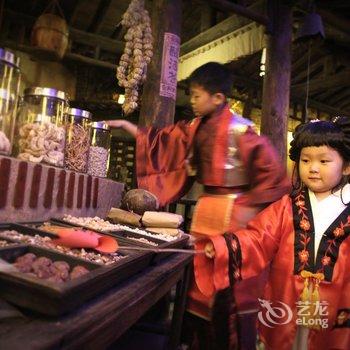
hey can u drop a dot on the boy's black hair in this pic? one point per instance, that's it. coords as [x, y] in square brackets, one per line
[213, 77]
[334, 134]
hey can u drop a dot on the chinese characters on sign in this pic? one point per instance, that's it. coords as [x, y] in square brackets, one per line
[171, 50]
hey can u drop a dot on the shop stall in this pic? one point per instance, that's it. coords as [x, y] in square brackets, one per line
[68, 275]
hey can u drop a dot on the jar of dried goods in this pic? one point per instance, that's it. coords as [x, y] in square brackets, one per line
[99, 149]
[42, 126]
[78, 139]
[10, 76]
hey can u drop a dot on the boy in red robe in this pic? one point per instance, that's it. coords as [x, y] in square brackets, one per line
[239, 169]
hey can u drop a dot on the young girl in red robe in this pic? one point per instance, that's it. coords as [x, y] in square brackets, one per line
[305, 238]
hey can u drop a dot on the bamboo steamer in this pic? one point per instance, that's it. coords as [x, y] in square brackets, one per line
[50, 32]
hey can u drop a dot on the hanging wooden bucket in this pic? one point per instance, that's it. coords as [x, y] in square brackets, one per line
[50, 32]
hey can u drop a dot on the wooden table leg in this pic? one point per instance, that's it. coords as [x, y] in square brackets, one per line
[179, 309]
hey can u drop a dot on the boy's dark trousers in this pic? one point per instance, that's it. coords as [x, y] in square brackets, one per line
[197, 332]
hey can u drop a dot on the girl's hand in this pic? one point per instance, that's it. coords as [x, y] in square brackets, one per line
[209, 250]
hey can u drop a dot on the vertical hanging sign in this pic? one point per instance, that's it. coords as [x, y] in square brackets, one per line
[171, 50]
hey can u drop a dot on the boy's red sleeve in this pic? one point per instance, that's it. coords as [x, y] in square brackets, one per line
[267, 174]
[161, 155]
[258, 244]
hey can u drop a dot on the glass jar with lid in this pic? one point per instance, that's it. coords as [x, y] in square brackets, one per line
[42, 126]
[77, 139]
[9, 85]
[99, 149]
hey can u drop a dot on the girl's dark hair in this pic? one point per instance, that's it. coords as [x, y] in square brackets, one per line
[213, 77]
[335, 134]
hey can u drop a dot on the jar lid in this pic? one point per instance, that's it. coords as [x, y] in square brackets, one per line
[41, 118]
[9, 57]
[44, 91]
[100, 125]
[76, 112]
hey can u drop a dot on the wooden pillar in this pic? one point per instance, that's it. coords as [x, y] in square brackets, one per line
[248, 105]
[159, 90]
[276, 89]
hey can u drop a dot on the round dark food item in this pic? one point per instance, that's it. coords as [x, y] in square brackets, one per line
[60, 269]
[78, 271]
[41, 267]
[139, 201]
[24, 262]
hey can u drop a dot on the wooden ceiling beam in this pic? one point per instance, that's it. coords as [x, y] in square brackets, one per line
[207, 16]
[303, 74]
[76, 35]
[320, 84]
[69, 56]
[296, 96]
[226, 6]
[324, 96]
[344, 104]
[338, 22]
[340, 96]
[72, 16]
[99, 16]
[226, 26]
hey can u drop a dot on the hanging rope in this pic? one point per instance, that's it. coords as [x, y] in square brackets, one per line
[53, 6]
[307, 80]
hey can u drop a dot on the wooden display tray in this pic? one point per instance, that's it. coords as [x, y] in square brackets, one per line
[122, 235]
[55, 300]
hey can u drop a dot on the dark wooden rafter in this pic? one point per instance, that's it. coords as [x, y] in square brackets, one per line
[297, 97]
[100, 13]
[336, 21]
[69, 56]
[207, 17]
[329, 65]
[2, 3]
[313, 68]
[299, 65]
[340, 96]
[227, 26]
[72, 16]
[76, 35]
[224, 5]
[117, 32]
[320, 84]
[344, 104]
[339, 4]
[325, 95]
